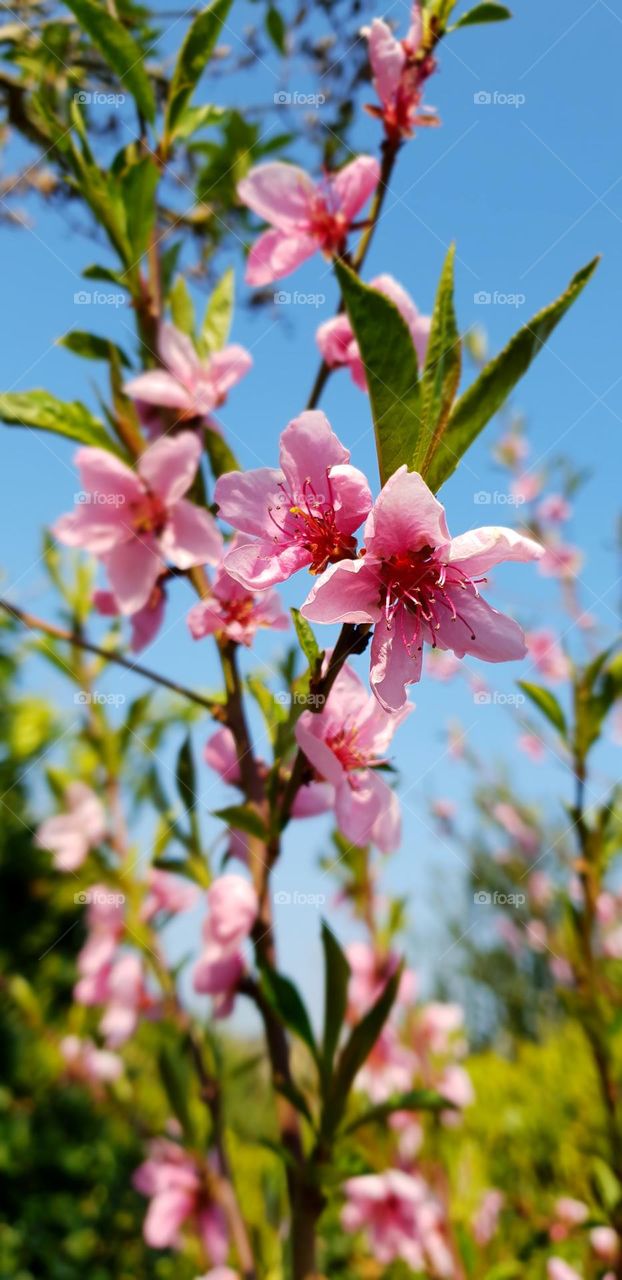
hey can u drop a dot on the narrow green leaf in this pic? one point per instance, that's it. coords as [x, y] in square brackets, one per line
[276, 28]
[138, 189]
[182, 306]
[275, 713]
[441, 374]
[241, 817]
[286, 1001]
[482, 13]
[356, 1051]
[221, 457]
[175, 1079]
[42, 410]
[391, 369]
[194, 55]
[185, 776]
[307, 640]
[91, 347]
[336, 976]
[219, 314]
[119, 49]
[296, 1097]
[547, 703]
[496, 382]
[414, 1100]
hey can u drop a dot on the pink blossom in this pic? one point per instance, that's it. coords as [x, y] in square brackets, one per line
[486, 1219]
[72, 834]
[167, 893]
[125, 997]
[442, 664]
[512, 448]
[220, 1273]
[606, 1243]
[541, 889]
[345, 743]
[561, 560]
[172, 1181]
[136, 521]
[188, 384]
[400, 69]
[532, 746]
[547, 655]
[555, 508]
[88, 1063]
[527, 486]
[233, 907]
[388, 1068]
[510, 819]
[557, 1269]
[147, 620]
[304, 217]
[455, 1085]
[233, 610]
[370, 973]
[401, 1219]
[417, 584]
[221, 755]
[105, 922]
[338, 345]
[302, 515]
[537, 936]
[567, 1213]
[438, 1023]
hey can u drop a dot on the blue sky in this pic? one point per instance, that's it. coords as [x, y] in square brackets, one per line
[530, 191]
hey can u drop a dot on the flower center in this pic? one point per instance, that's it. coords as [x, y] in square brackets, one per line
[343, 745]
[421, 583]
[148, 514]
[240, 611]
[329, 225]
[309, 518]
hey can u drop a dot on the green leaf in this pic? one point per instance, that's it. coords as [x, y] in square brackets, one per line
[391, 369]
[336, 976]
[356, 1051]
[276, 28]
[496, 382]
[482, 13]
[307, 640]
[175, 1079]
[221, 457]
[242, 817]
[441, 374]
[295, 1096]
[284, 998]
[219, 314]
[91, 347]
[185, 776]
[138, 189]
[414, 1100]
[182, 306]
[119, 49]
[547, 703]
[275, 713]
[41, 410]
[191, 119]
[194, 55]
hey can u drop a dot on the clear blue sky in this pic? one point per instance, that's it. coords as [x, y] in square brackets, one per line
[530, 192]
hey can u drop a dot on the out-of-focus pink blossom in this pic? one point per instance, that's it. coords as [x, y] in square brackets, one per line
[541, 889]
[532, 746]
[105, 922]
[304, 217]
[547, 655]
[344, 743]
[561, 560]
[167, 893]
[526, 487]
[555, 508]
[304, 515]
[512, 448]
[70, 835]
[442, 664]
[568, 1213]
[401, 1219]
[510, 819]
[126, 998]
[137, 521]
[147, 620]
[606, 1243]
[438, 1023]
[370, 973]
[400, 69]
[456, 1086]
[537, 936]
[557, 1269]
[339, 347]
[193, 387]
[232, 910]
[419, 585]
[233, 610]
[172, 1181]
[486, 1220]
[88, 1063]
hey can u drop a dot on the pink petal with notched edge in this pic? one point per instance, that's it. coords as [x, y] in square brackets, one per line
[307, 449]
[133, 570]
[387, 58]
[406, 515]
[191, 536]
[355, 183]
[262, 564]
[497, 637]
[481, 549]
[276, 254]
[278, 192]
[392, 667]
[178, 353]
[309, 731]
[169, 466]
[351, 496]
[346, 592]
[245, 498]
[159, 388]
[336, 341]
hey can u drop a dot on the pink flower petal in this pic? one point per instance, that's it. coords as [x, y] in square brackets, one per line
[103, 474]
[191, 536]
[387, 58]
[169, 466]
[497, 637]
[166, 1214]
[159, 388]
[392, 666]
[245, 499]
[346, 592]
[276, 254]
[262, 564]
[351, 495]
[133, 570]
[220, 754]
[279, 193]
[355, 183]
[308, 736]
[178, 353]
[228, 366]
[480, 549]
[406, 515]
